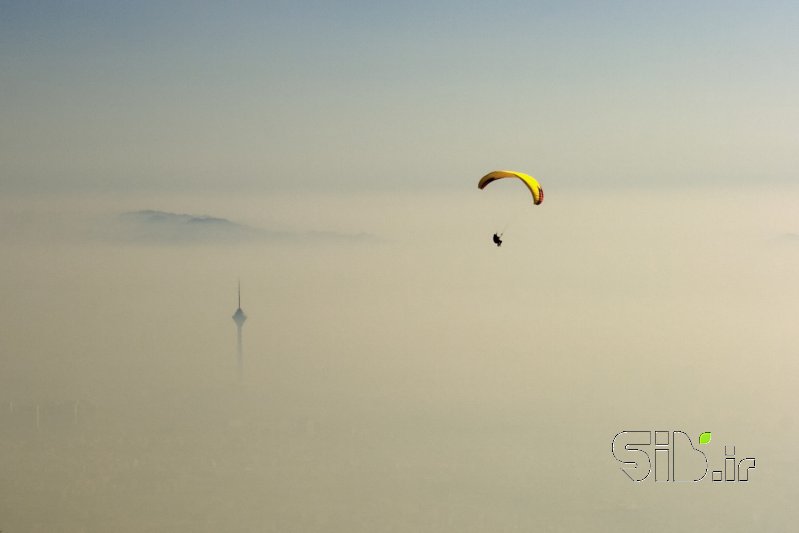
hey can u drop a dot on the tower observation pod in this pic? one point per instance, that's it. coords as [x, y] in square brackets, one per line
[239, 318]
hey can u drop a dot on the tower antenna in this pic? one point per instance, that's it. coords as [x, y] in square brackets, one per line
[239, 318]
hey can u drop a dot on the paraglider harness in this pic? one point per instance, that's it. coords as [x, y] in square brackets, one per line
[497, 239]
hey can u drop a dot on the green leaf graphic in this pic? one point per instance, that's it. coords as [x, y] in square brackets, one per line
[704, 438]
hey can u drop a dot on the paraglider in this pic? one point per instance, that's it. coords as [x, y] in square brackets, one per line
[530, 182]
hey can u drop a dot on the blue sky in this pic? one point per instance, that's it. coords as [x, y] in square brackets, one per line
[424, 380]
[353, 95]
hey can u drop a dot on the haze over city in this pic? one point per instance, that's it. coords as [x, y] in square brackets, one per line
[399, 372]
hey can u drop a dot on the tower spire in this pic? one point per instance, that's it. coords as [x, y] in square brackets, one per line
[239, 317]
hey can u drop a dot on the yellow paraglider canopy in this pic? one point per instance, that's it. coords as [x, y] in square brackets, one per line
[529, 181]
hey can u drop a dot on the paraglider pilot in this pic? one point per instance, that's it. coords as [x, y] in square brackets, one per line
[497, 239]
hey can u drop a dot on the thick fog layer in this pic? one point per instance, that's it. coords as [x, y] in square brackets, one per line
[401, 373]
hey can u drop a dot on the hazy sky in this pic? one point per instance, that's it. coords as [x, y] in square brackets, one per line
[417, 379]
[265, 95]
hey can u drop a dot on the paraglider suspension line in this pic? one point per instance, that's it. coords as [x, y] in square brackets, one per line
[509, 222]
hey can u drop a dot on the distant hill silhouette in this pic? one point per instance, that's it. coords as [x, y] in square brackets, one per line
[180, 228]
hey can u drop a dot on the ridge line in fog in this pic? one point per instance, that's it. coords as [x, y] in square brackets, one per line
[155, 226]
